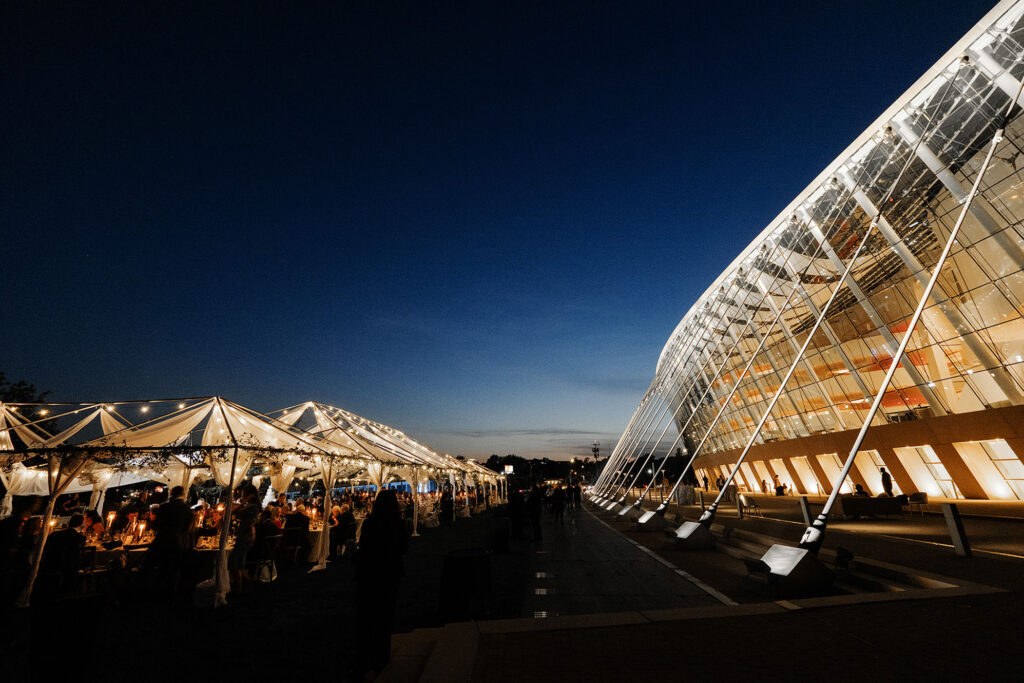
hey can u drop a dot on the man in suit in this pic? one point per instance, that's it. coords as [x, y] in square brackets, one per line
[886, 482]
[171, 525]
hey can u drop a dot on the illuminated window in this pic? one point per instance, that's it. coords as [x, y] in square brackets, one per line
[803, 470]
[1008, 464]
[927, 471]
[833, 467]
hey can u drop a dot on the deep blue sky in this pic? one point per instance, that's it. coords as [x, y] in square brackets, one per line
[477, 221]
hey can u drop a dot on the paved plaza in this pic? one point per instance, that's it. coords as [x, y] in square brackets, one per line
[709, 624]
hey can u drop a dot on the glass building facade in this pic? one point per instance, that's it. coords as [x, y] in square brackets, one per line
[898, 189]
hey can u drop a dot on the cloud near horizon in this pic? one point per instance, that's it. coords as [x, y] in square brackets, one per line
[549, 442]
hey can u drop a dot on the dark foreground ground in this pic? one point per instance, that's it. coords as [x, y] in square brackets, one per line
[595, 600]
[298, 627]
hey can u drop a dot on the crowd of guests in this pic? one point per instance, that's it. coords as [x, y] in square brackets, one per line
[174, 529]
[555, 499]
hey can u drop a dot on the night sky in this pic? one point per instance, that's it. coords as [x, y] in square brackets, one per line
[478, 222]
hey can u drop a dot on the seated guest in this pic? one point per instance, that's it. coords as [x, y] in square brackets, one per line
[277, 516]
[265, 529]
[297, 519]
[281, 502]
[296, 531]
[347, 524]
[63, 552]
[334, 522]
[141, 506]
[94, 527]
[859, 491]
[16, 540]
[123, 518]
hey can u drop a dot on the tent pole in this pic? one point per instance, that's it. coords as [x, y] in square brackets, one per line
[222, 551]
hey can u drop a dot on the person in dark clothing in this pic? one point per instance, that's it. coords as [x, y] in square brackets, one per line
[141, 506]
[886, 482]
[577, 496]
[534, 505]
[296, 532]
[447, 508]
[558, 504]
[16, 541]
[344, 534]
[246, 516]
[171, 526]
[265, 543]
[706, 483]
[378, 569]
[71, 504]
[516, 512]
[63, 552]
[172, 520]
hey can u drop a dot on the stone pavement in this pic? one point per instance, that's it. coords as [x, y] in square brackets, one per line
[969, 628]
[581, 567]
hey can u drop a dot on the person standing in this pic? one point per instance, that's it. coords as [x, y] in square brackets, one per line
[63, 554]
[534, 505]
[171, 526]
[447, 507]
[245, 534]
[378, 570]
[886, 482]
[706, 482]
[558, 504]
[516, 512]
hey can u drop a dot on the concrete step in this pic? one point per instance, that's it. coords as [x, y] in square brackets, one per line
[410, 653]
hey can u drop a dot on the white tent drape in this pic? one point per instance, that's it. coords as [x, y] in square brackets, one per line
[110, 423]
[161, 432]
[378, 474]
[28, 434]
[415, 476]
[328, 469]
[72, 430]
[21, 481]
[5, 436]
[100, 478]
[281, 476]
[221, 468]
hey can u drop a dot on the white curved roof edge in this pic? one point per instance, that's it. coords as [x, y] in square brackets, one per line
[1006, 9]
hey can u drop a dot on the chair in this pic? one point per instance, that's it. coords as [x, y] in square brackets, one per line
[917, 501]
[88, 570]
[265, 559]
[294, 545]
[749, 506]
